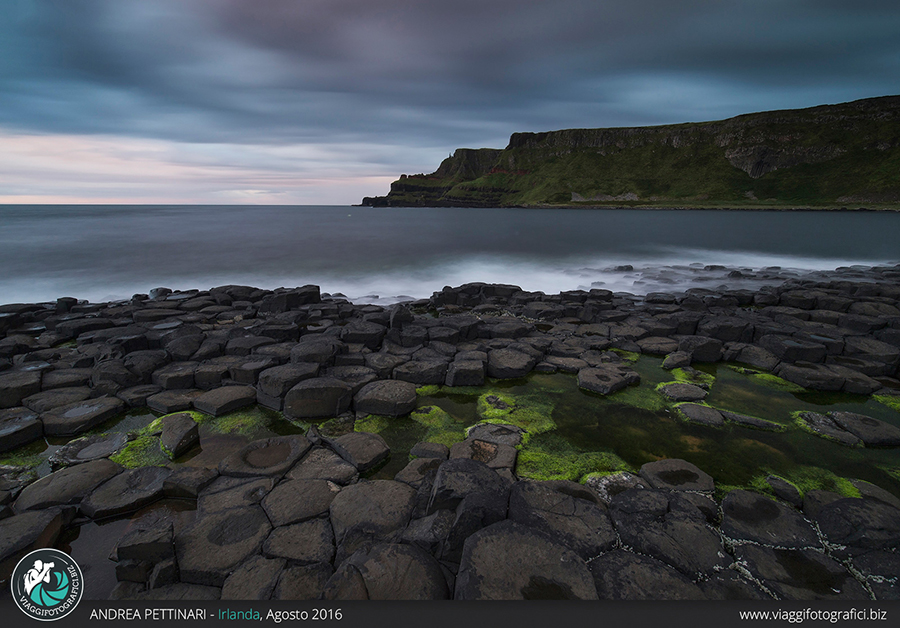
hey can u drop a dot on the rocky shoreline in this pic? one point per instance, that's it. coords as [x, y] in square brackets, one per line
[299, 517]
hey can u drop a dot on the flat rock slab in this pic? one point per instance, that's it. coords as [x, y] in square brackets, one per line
[860, 525]
[677, 475]
[323, 464]
[180, 433]
[148, 539]
[88, 448]
[497, 433]
[386, 397]
[218, 543]
[303, 582]
[703, 415]
[269, 456]
[126, 492]
[307, 542]
[390, 571]
[31, 530]
[570, 513]
[751, 421]
[255, 579]
[49, 399]
[225, 399]
[603, 380]
[187, 482]
[622, 575]
[278, 380]
[320, 397]
[509, 364]
[67, 486]
[169, 401]
[361, 449]
[755, 518]
[509, 561]
[430, 450]
[19, 426]
[377, 508]
[14, 387]
[872, 432]
[800, 574]
[226, 492]
[683, 392]
[496, 456]
[136, 396]
[80, 416]
[294, 501]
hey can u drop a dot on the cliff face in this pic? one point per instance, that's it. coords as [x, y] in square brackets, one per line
[827, 155]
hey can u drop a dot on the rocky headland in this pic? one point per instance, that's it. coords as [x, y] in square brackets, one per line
[305, 515]
[831, 156]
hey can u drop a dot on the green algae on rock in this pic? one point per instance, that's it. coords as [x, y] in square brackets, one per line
[807, 478]
[552, 457]
[533, 413]
[891, 401]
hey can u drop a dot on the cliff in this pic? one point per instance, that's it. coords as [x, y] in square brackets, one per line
[831, 155]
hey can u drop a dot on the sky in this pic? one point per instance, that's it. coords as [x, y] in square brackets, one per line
[327, 101]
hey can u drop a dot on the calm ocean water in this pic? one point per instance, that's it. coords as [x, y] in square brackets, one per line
[377, 255]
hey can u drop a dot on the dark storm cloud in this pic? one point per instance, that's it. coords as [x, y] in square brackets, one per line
[427, 73]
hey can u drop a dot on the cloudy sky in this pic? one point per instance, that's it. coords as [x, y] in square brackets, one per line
[326, 101]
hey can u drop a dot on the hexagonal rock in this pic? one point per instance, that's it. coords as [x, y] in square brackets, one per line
[255, 579]
[389, 571]
[683, 392]
[125, 492]
[509, 364]
[302, 582]
[496, 433]
[88, 448]
[67, 486]
[14, 387]
[701, 348]
[872, 432]
[19, 426]
[753, 517]
[180, 433]
[268, 456]
[655, 345]
[386, 397]
[177, 375]
[509, 561]
[49, 399]
[800, 574]
[378, 508]
[216, 544]
[465, 373]
[80, 416]
[225, 399]
[704, 415]
[149, 538]
[676, 475]
[307, 542]
[422, 372]
[361, 449]
[496, 456]
[809, 375]
[567, 511]
[169, 401]
[28, 531]
[188, 481]
[318, 398]
[298, 500]
[622, 575]
[827, 428]
[323, 464]
[861, 525]
[278, 380]
[603, 380]
[226, 492]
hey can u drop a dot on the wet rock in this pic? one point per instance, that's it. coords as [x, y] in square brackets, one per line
[268, 456]
[677, 475]
[294, 501]
[509, 561]
[809, 375]
[494, 455]
[225, 399]
[363, 450]
[317, 398]
[608, 486]
[303, 582]
[703, 415]
[881, 571]
[177, 375]
[728, 585]
[389, 571]
[227, 492]
[509, 364]
[676, 360]
[422, 372]
[179, 434]
[307, 542]
[785, 490]
[756, 518]
[66, 378]
[88, 448]
[255, 579]
[800, 574]
[496, 433]
[323, 464]
[386, 398]
[317, 350]
[683, 392]
[622, 575]
[416, 472]
[66, 487]
[179, 591]
[169, 401]
[80, 416]
[383, 363]
[125, 492]
[827, 428]
[20, 534]
[210, 550]
[49, 399]
[792, 349]
[278, 380]
[603, 380]
[136, 396]
[568, 512]
[430, 450]
[378, 509]
[860, 524]
[148, 539]
[815, 500]
[751, 421]
[460, 478]
[870, 491]
[187, 482]
[872, 432]
[465, 373]
[19, 426]
[701, 348]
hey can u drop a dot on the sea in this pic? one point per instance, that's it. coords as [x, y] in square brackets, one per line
[383, 255]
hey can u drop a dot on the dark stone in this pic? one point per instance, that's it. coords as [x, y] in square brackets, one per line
[860, 524]
[317, 398]
[384, 363]
[756, 518]
[125, 492]
[307, 542]
[386, 398]
[49, 399]
[255, 579]
[497, 433]
[269, 456]
[169, 401]
[800, 574]
[785, 490]
[496, 456]
[180, 591]
[509, 364]
[465, 373]
[19, 426]
[88, 448]
[66, 378]
[303, 582]
[147, 539]
[622, 575]
[677, 475]
[317, 350]
[227, 492]
[179, 434]
[416, 472]
[827, 428]
[294, 501]
[133, 571]
[509, 561]
[363, 450]
[67, 486]
[225, 399]
[809, 375]
[728, 585]
[246, 344]
[430, 450]
[378, 509]
[701, 348]
[608, 486]
[390, 571]
[248, 372]
[815, 500]
[323, 464]
[80, 416]
[704, 415]
[422, 372]
[210, 550]
[603, 380]
[278, 380]
[751, 421]
[872, 432]
[459, 478]
[683, 392]
[20, 534]
[136, 396]
[177, 375]
[792, 349]
[187, 482]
